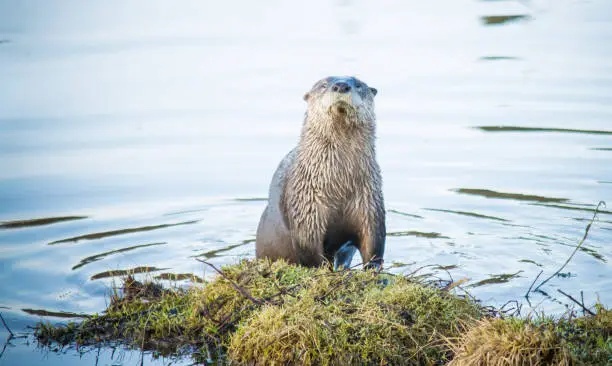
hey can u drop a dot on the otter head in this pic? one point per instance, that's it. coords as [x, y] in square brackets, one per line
[344, 99]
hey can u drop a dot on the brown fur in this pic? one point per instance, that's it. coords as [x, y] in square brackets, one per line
[328, 190]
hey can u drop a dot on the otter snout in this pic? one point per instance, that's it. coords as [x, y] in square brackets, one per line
[343, 98]
[341, 87]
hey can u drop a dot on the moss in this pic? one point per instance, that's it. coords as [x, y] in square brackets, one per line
[220, 301]
[263, 312]
[589, 338]
[374, 319]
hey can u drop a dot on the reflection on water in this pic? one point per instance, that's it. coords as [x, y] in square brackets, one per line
[255, 199]
[405, 214]
[580, 219]
[574, 208]
[502, 19]
[148, 136]
[218, 252]
[126, 272]
[55, 314]
[471, 214]
[498, 58]
[15, 224]
[530, 261]
[97, 257]
[510, 196]
[17, 349]
[540, 129]
[496, 279]
[179, 277]
[119, 232]
[547, 241]
[419, 234]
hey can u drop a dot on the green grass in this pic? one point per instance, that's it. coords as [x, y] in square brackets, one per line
[354, 317]
[263, 312]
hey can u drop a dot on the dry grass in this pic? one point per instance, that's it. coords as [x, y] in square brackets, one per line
[509, 342]
[585, 340]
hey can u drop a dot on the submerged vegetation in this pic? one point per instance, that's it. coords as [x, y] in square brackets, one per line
[263, 312]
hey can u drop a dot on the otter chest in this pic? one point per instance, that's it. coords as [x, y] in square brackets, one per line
[335, 172]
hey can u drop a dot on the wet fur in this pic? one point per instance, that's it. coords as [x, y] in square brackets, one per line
[328, 190]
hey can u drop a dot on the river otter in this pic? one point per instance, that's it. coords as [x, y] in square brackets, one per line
[325, 199]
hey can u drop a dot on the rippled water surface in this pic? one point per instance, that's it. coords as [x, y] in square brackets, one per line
[138, 136]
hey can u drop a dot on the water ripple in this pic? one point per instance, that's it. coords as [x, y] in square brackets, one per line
[126, 272]
[503, 19]
[17, 224]
[466, 213]
[97, 257]
[420, 234]
[540, 129]
[105, 234]
[511, 196]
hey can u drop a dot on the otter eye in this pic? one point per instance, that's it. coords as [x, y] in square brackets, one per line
[358, 86]
[323, 86]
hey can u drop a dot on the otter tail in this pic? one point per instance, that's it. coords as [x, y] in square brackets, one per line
[344, 256]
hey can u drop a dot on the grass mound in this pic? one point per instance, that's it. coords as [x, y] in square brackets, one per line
[169, 321]
[263, 312]
[354, 317]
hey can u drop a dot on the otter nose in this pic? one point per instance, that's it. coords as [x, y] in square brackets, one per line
[341, 87]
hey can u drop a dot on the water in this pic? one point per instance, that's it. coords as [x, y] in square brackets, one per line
[140, 135]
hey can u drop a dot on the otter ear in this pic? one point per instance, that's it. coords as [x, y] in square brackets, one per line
[373, 91]
[306, 96]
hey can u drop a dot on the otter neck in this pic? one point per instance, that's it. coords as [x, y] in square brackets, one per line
[328, 138]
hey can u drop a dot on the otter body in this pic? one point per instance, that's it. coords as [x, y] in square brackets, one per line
[325, 199]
